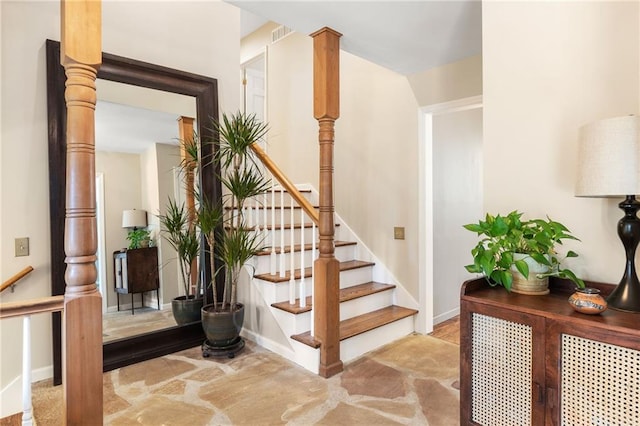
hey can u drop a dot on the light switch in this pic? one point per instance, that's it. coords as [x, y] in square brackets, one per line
[22, 246]
[398, 232]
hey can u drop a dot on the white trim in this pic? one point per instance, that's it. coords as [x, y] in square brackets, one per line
[446, 315]
[464, 104]
[425, 320]
[102, 248]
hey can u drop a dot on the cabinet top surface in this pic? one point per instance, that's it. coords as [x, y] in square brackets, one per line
[554, 305]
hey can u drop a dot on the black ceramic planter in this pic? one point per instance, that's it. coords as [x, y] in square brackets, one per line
[186, 309]
[222, 328]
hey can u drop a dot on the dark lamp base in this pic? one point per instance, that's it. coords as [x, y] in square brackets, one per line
[626, 296]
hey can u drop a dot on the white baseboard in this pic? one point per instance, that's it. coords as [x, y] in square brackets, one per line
[11, 394]
[446, 315]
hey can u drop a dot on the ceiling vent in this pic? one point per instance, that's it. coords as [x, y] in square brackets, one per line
[280, 33]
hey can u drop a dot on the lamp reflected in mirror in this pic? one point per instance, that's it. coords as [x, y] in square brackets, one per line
[609, 166]
[134, 219]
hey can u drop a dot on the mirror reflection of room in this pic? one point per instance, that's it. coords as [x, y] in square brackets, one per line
[137, 158]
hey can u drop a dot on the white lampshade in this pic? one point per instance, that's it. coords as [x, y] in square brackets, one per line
[609, 158]
[134, 218]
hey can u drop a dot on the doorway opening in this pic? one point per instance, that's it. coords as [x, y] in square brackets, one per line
[450, 195]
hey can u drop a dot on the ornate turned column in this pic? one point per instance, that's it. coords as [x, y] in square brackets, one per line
[185, 132]
[81, 55]
[326, 109]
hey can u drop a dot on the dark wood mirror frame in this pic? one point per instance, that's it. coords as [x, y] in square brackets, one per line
[129, 71]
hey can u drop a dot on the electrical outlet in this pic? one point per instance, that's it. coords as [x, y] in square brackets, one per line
[398, 232]
[22, 246]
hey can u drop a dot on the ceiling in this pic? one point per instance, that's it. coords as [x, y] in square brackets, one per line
[124, 128]
[404, 36]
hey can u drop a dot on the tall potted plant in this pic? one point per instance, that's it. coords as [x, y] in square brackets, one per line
[179, 229]
[520, 255]
[235, 243]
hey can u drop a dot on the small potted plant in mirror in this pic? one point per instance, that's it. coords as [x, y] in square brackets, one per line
[179, 229]
[235, 243]
[184, 239]
[139, 238]
[520, 255]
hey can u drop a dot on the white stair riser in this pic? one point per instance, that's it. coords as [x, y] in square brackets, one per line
[270, 199]
[257, 216]
[359, 345]
[365, 304]
[292, 324]
[263, 263]
[280, 291]
[275, 236]
[299, 323]
[356, 276]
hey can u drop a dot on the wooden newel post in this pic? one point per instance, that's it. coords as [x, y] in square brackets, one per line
[326, 109]
[185, 132]
[81, 55]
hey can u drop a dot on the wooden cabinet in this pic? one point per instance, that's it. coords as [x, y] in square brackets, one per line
[532, 360]
[136, 271]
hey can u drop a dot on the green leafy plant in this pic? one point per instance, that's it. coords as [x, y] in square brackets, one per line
[504, 236]
[138, 238]
[185, 241]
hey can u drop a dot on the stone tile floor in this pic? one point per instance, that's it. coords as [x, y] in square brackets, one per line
[413, 381]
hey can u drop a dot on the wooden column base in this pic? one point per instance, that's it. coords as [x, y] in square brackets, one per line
[327, 314]
[82, 366]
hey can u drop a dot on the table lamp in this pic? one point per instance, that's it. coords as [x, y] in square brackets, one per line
[134, 219]
[609, 166]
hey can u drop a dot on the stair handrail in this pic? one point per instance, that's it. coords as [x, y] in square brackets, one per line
[286, 183]
[25, 309]
[31, 306]
[14, 279]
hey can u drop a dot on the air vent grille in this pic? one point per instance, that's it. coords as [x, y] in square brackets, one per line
[280, 33]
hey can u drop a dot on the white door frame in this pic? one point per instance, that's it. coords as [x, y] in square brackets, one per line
[262, 54]
[424, 321]
[102, 248]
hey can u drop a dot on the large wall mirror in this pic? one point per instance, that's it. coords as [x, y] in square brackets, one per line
[134, 98]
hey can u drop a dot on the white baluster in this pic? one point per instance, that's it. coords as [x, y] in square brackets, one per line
[273, 229]
[249, 207]
[282, 267]
[292, 259]
[27, 409]
[313, 271]
[303, 293]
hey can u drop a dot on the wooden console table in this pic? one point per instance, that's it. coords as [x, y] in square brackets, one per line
[136, 271]
[532, 360]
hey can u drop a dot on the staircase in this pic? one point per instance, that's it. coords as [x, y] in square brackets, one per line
[369, 313]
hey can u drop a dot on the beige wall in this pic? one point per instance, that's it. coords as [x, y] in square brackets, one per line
[449, 82]
[200, 37]
[376, 149]
[549, 68]
[122, 191]
[376, 138]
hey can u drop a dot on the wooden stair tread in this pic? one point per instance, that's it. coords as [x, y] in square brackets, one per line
[346, 294]
[361, 324]
[279, 226]
[344, 266]
[269, 207]
[278, 190]
[287, 249]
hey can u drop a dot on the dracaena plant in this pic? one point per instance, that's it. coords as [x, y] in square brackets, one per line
[243, 179]
[185, 241]
[503, 236]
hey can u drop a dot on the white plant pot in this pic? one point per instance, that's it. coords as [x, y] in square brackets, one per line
[533, 285]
